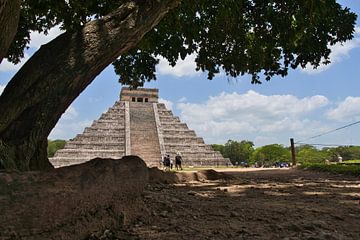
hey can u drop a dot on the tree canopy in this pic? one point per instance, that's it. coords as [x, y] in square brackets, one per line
[256, 37]
[235, 36]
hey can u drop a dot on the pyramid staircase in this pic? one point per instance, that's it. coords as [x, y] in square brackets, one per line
[138, 127]
[144, 135]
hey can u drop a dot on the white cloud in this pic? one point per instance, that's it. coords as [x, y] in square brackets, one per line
[168, 104]
[339, 52]
[233, 115]
[38, 39]
[1, 89]
[183, 68]
[183, 99]
[66, 130]
[69, 125]
[70, 113]
[7, 66]
[347, 110]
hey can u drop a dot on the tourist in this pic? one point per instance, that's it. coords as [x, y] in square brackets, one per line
[171, 164]
[178, 160]
[166, 162]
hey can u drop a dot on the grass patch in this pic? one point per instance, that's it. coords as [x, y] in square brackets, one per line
[356, 161]
[199, 168]
[351, 169]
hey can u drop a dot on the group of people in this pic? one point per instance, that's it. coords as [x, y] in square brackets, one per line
[168, 163]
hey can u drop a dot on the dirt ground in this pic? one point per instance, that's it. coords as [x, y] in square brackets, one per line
[266, 204]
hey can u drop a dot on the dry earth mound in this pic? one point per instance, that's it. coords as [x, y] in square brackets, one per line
[158, 176]
[72, 202]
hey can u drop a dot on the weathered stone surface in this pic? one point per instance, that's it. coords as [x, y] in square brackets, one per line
[139, 125]
[72, 202]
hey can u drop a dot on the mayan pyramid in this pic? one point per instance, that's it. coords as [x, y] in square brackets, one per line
[138, 125]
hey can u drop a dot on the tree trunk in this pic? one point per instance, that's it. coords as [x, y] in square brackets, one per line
[9, 19]
[58, 72]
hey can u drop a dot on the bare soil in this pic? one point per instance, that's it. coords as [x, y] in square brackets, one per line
[249, 204]
[110, 199]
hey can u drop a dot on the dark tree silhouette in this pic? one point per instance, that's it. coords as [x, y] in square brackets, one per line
[238, 36]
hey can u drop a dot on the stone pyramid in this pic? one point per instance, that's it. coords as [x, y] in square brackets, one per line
[138, 125]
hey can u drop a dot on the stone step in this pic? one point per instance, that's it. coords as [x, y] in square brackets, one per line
[180, 137]
[169, 119]
[110, 121]
[103, 134]
[114, 117]
[144, 136]
[195, 154]
[143, 132]
[166, 113]
[89, 130]
[98, 139]
[170, 126]
[88, 153]
[107, 125]
[161, 107]
[175, 132]
[183, 139]
[195, 148]
[184, 145]
[96, 146]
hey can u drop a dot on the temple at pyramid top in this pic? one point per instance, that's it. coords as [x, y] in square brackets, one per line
[139, 95]
[138, 124]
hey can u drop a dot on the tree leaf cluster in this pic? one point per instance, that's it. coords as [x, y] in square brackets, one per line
[237, 37]
[268, 155]
[237, 152]
[42, 15]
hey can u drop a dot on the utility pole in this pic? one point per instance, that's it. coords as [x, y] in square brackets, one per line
[293, 156]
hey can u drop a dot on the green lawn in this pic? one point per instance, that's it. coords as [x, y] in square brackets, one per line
[356, 161]
[198, 168]
[344, 168]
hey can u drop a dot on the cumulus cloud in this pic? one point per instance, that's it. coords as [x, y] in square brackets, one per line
[68, 129]
[69, 125]
[183, 99]
[339, 52]
[347, 110]
[70, 113]
[38, 39]
[168, 104]
[183, 68]
[231, 114]
[7, 66]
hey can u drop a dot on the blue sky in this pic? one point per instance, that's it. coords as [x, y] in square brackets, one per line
[303, 104]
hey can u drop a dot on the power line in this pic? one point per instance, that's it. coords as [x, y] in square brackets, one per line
[325, 145]
[331, 131]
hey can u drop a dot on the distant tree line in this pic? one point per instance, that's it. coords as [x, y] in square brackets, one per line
[244, 152]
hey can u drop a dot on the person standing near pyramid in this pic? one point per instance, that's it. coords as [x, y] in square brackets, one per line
[167, 163]
[178, 160]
